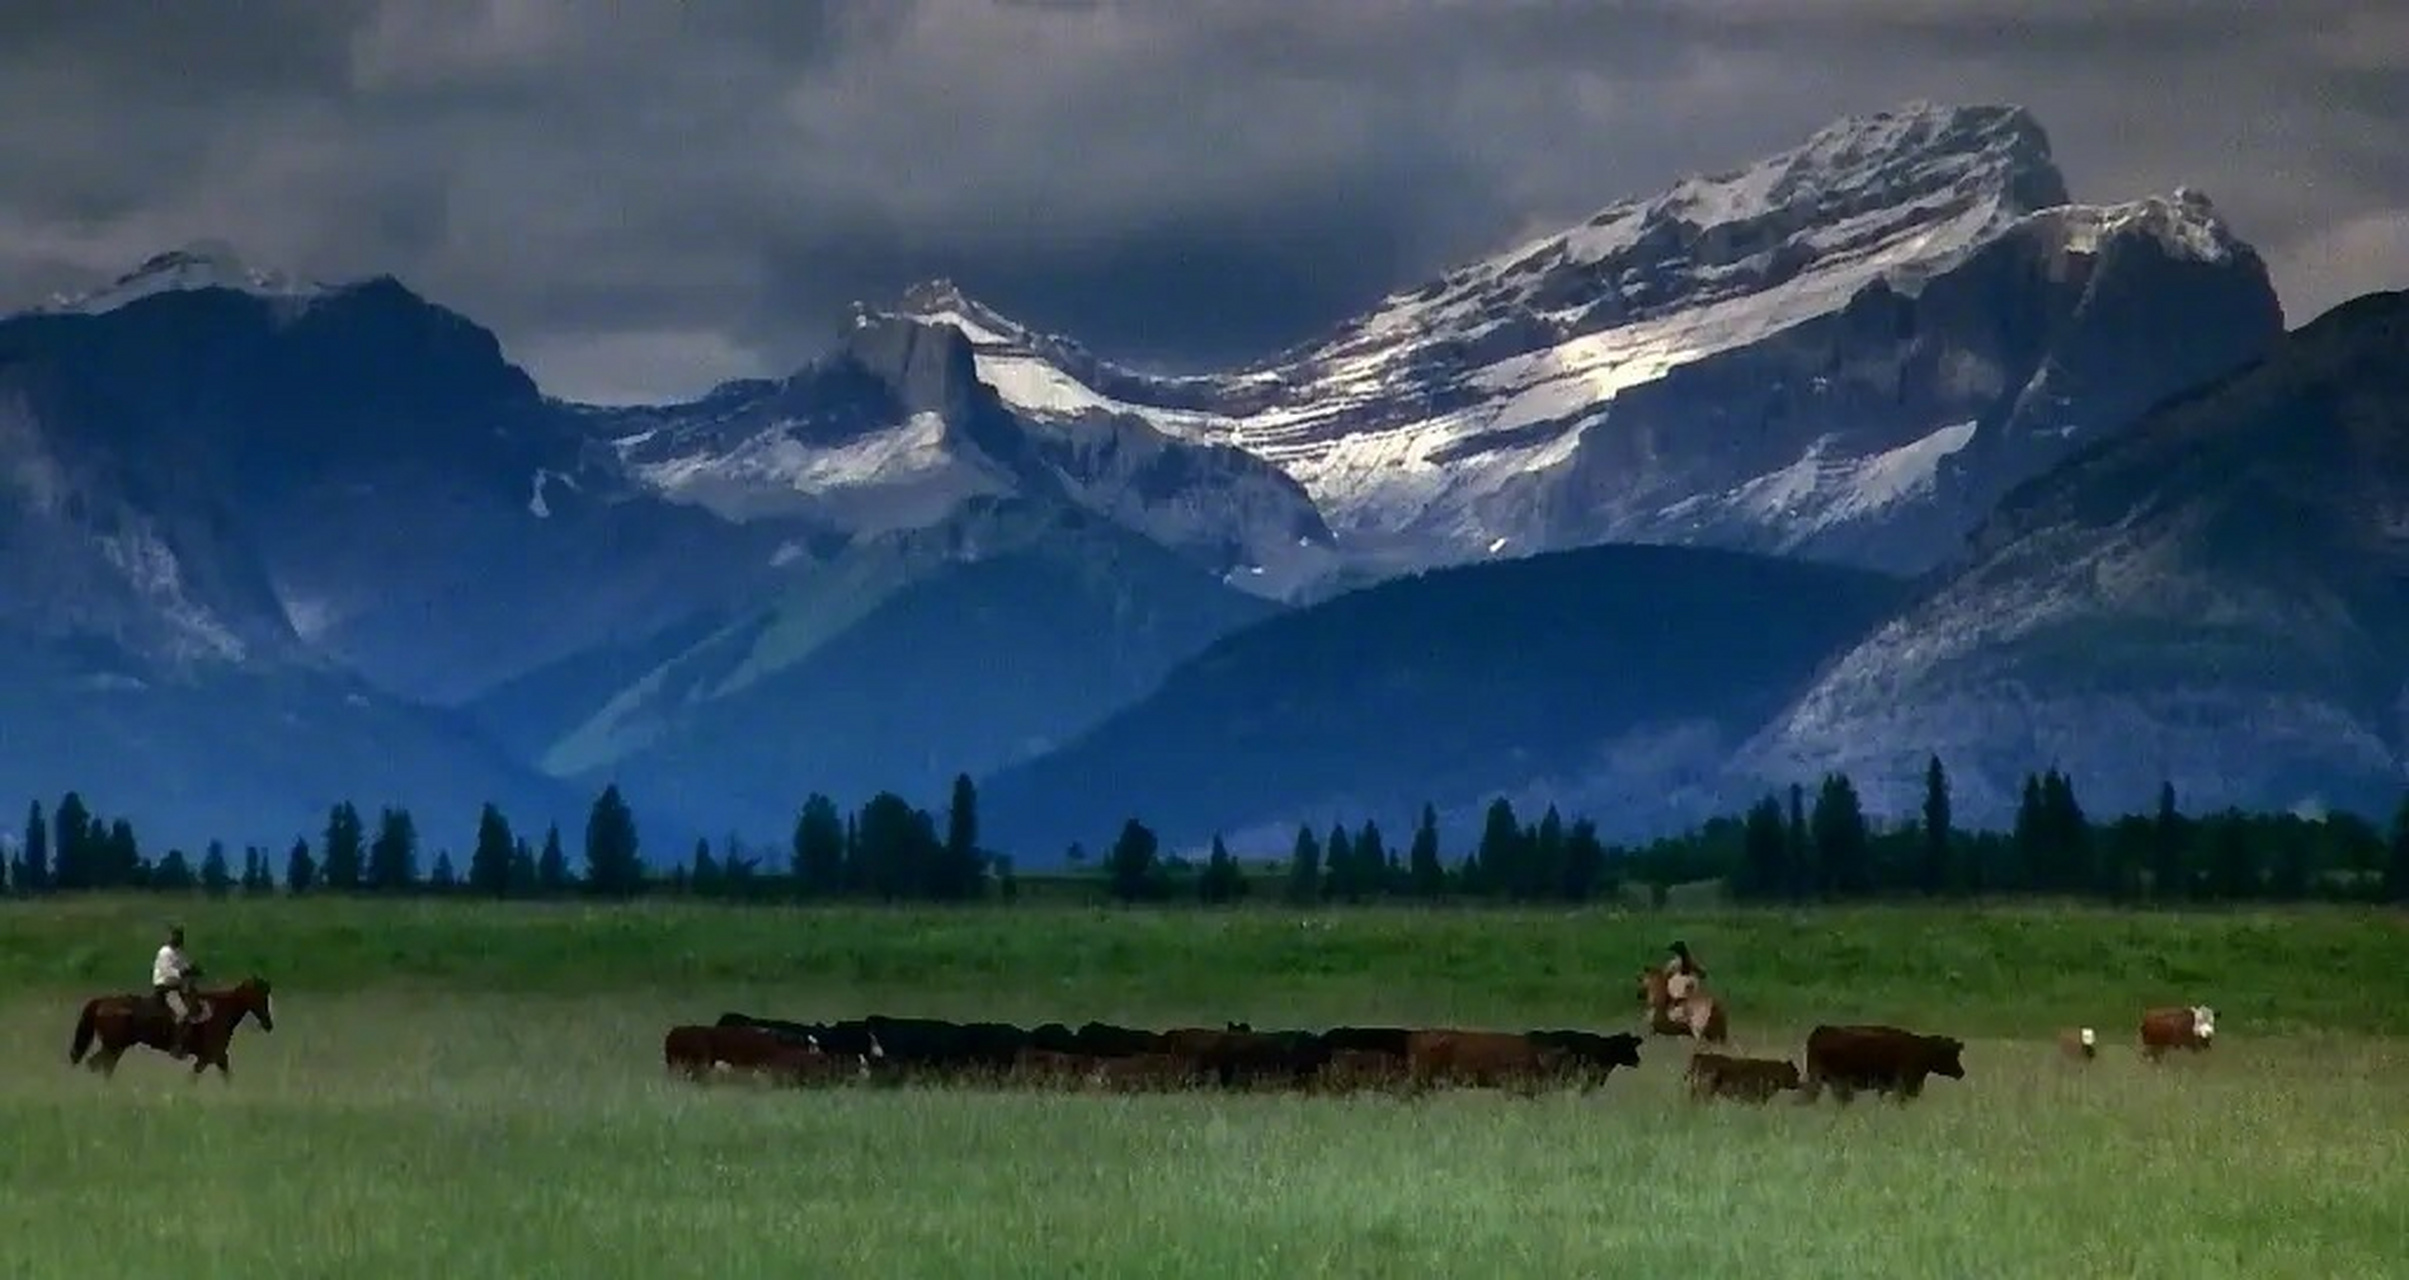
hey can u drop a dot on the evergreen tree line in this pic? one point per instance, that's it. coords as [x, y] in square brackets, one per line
[1788, 847]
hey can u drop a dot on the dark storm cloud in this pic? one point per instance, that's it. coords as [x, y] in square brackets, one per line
[644, 198]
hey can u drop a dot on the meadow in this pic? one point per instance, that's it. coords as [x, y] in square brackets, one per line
[476, 1090]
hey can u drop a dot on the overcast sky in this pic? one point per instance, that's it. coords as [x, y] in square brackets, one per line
[646, 198]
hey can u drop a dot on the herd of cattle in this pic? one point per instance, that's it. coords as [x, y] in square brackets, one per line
[1844, 1060]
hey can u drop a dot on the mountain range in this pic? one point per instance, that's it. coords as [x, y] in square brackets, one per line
[1932, 459]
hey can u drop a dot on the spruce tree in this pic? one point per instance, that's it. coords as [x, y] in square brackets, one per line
[1843, 843]
[2396, 856]
[1764, 854]
[393, 854]
[340, 866]
[1798, 849]
[443, 877]
[552, 865]
[1585, 869]
[1370, 864]
[1425, 871]
[174, 874]
[1305, 869]
[1132, 866]
[300, 869]
[123, 857]
[964, 867]
[72, 845]
[819, 861]
[1547, 855]
[1502, 864]
[35, 857]
[489, 859]
[1932, 867]
[1338, 863]
[217, 879]
[614, 866]
[524, 880]
[1221, 881]
[702, 876]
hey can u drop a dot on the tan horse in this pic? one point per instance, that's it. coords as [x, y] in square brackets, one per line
[1702, 1018]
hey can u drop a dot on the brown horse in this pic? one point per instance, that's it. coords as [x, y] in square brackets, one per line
[1704, 1019]
[121, 1022]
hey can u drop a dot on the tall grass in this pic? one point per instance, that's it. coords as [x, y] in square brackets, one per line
[2005, 971]
[414, 1134]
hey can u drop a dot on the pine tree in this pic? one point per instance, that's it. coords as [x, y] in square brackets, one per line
[122, 856]
[340, 864]
[1305, 869]
[552, 865]
[702, 876]
[300, 869]
[72, 844]
[1932, 868]
[1585, 865]
[1370, 863]
[1547, 855]
[1842, 840]
[174, 874]
[525, 881]
[35, 857]
[1798, 849]
[1764, 853]
[1425, 871]
[1221, 881]
[393, 855]
[1338, 863]
[443, 878]
[2170, 874]
[1502, 863]
[489, 860]
[2396, 860]
[819, 861]
[217, 879]
[1132, 865]
[614, 866]
[964, 865]
[2031, 839]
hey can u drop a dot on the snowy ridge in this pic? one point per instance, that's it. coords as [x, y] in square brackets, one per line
[201, 265]
[1485, 412]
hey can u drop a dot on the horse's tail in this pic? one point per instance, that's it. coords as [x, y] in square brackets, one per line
[84, 1027]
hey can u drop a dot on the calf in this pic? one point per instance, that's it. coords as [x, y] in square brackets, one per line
[695, 1052]
[2079, 1043]
[1878, 1059]
[2193, 1028]
[1720, 1075]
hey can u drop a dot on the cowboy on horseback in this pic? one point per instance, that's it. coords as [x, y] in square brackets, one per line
[171, 983]
[1682, 976]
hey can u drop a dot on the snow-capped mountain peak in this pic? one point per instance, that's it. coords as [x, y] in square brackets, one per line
[205, 264]
[1823, 316]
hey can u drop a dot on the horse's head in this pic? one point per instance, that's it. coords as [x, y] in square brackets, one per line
[251, 996]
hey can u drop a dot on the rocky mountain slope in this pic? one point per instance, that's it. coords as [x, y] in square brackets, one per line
[895, 431]
[1616, 679]
[2218, 598]
[893, 666]
[1846, 351]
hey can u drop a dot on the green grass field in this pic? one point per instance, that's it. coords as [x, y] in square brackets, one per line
[460, 1090]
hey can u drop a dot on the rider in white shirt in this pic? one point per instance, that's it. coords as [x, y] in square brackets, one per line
[171, 982]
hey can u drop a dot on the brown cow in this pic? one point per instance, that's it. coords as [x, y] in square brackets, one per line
[1877, 1058]
[1362, 1069]
[2193, 1028]
[697, 1051]
[2079, 1043]
[1492, 1059]
[1720, 1075]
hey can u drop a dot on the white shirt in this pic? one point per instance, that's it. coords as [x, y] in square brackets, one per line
[169, 967]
